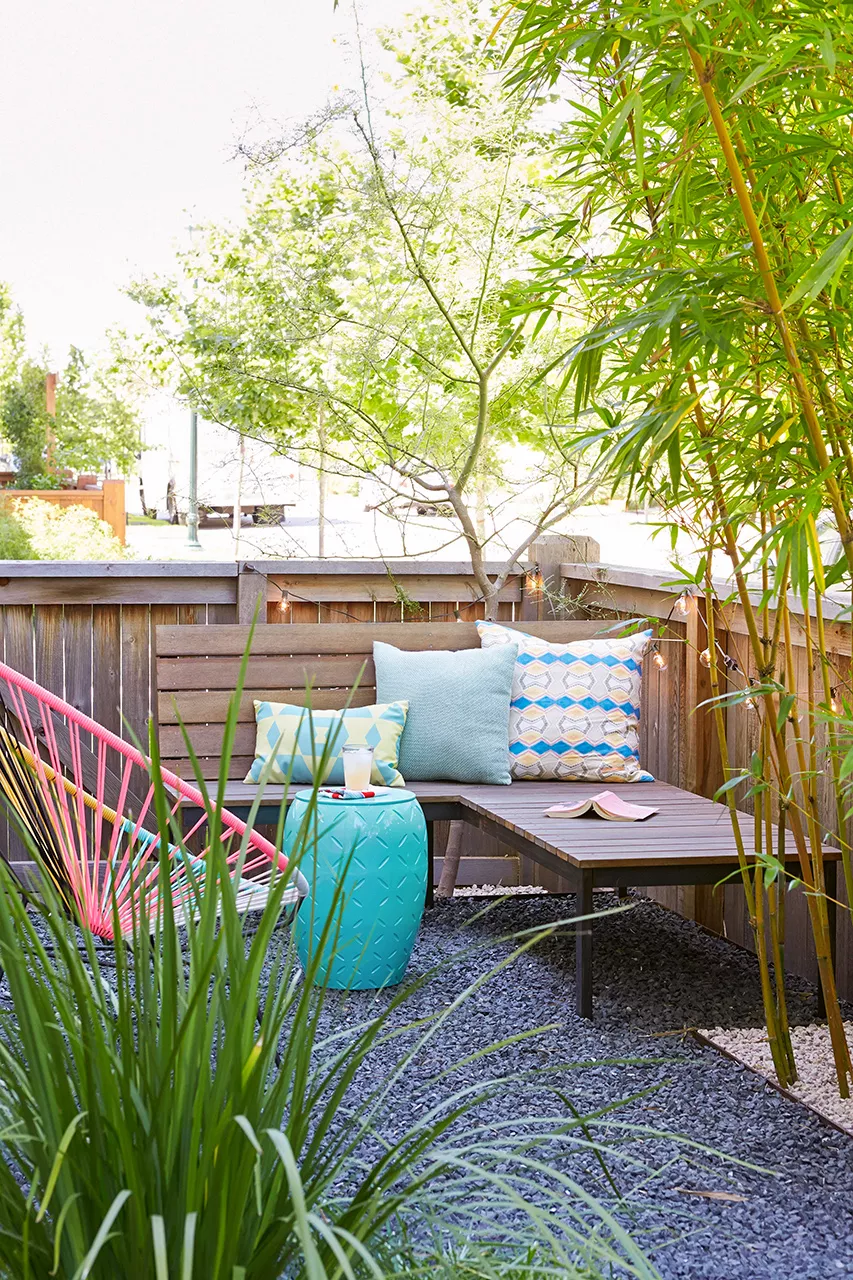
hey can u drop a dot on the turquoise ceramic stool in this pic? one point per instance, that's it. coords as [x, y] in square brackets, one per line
[377, 849]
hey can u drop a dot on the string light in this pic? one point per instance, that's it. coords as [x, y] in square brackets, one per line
[705, 657]
[834, 704]
[284, 603]
[683, 603]
[658, 659]
[534, 583]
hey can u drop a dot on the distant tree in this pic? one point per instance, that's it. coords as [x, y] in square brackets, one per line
[25, 424]
[95, 426]
[365, 313]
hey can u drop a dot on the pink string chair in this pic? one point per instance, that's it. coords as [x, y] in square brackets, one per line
[84, 797]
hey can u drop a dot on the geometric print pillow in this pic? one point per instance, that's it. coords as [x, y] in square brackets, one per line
[296, 738]
[575, 709]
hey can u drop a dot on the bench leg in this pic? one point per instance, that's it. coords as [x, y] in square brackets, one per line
[623, 892]
[583, 947]
[830, 872]
[430, 884]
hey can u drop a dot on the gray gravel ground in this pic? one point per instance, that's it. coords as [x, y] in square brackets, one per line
[655, 975]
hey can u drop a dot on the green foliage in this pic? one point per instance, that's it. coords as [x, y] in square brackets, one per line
[51, 532]
[15, 542]
[657, 240]
[24, 423]
[366, 309]
[95, 425]
[706, 224]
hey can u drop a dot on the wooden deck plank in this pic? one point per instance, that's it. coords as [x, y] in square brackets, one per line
[689, 831]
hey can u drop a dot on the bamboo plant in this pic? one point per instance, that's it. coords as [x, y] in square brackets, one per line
[707, 224]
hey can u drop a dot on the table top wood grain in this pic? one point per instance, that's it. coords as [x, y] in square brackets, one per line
[687, 830]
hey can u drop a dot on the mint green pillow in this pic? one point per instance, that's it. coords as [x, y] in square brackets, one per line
[457, 729]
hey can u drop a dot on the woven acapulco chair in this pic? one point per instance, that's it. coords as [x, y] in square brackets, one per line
[85, 798]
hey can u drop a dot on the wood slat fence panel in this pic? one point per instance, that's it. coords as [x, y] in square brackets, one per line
[88, 632]
[635, 593]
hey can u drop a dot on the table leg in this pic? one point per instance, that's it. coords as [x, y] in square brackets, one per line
[830, 872]
[583, 947]
[430, 884]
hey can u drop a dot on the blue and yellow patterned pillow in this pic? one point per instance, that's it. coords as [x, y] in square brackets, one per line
[293, 734]
[575, 709]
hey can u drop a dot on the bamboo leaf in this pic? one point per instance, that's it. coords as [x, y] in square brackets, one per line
[821, 272]
[730, 784]
[827, 50]
[754, 76]
[786, 705]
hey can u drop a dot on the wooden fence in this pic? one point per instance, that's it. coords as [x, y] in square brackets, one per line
[87, 632]
[108, 502]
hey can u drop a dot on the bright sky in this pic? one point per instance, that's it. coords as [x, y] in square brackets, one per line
[118, 122]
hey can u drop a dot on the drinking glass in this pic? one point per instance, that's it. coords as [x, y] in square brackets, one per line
[358, 766]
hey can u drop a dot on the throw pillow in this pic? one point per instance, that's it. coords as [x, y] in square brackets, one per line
[297, 735]
[575, 707]
[457, 726]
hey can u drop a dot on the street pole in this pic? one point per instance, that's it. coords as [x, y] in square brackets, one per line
[192, 506]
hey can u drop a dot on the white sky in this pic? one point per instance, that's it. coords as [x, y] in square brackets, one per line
[117, 121]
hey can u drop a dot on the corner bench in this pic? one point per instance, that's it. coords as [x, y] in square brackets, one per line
[689, 842]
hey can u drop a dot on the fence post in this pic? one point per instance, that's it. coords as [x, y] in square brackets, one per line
[550, 551]
[114, 510]
[251, 595]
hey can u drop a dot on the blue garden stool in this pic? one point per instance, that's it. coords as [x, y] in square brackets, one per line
[376, 850]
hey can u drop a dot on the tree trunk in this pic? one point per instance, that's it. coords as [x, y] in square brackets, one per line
[321, 485]
[480, 513]
[237, 518]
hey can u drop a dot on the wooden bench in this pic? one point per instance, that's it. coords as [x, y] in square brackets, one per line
[689, 842]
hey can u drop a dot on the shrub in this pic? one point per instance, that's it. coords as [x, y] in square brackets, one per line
[15, 542]
[65, 533]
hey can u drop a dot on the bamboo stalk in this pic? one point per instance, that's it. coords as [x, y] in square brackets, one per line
[818, 920]
[834, 757]
[780, 1060]
[704, 76]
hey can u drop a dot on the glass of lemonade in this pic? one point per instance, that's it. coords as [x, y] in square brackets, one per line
[358, 766]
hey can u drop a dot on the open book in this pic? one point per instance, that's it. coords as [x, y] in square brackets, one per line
[604, 805]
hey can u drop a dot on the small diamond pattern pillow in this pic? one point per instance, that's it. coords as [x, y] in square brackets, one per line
[296, 737]
[575, 709]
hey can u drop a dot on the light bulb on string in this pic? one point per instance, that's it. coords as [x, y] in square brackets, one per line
[834, 704]
[682, 604]
[705, 657]
[284, 603]
[658, 659]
